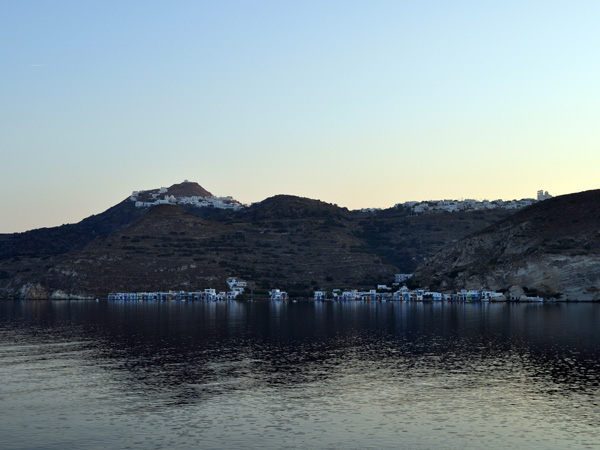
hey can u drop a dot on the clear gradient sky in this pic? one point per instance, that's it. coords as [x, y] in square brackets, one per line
[359, 103]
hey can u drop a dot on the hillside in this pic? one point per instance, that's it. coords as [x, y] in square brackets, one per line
[58, 240]
[296, 248]
[551, 248]
[293, 243]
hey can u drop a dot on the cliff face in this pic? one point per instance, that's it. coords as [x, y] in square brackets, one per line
[551, 249]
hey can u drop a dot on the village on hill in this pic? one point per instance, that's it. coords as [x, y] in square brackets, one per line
[146, 199]
[471, 204]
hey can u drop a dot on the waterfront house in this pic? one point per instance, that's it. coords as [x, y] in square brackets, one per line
[209, 294]
[277, 294]
[350, 295]
[435, 296]
[371, 295]
[320, 295]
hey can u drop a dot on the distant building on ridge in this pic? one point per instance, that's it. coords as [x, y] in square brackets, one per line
[543, 195]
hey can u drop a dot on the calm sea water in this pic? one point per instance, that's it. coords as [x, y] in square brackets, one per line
[95, 375]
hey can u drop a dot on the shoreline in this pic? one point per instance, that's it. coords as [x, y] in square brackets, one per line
[293, 300]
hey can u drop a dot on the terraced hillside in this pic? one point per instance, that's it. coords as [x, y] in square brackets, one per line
[289, 242]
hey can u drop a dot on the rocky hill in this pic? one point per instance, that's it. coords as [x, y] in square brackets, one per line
[293, 243]
[57, 240]
[551, 249]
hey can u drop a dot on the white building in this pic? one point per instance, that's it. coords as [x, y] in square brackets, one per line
[277, 294]
[234, 282]
[402, 277]
[320, 295]
[543, 195]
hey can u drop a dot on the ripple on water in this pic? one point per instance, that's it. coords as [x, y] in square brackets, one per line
[304, 375]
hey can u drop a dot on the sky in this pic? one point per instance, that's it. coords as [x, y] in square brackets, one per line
[357, 103]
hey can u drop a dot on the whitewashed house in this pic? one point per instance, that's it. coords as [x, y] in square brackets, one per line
[277, 294]
[435, 296]
[350, 295]
[320, 295]
[209, 294]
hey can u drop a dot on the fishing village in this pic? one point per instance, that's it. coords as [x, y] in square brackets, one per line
[382, 293]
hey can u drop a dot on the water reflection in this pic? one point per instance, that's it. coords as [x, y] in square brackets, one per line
[336, 367]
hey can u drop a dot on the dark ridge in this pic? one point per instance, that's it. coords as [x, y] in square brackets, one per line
[62, 239]
[571, 213]
[293, 207]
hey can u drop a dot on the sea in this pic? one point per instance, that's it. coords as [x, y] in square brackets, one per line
[299, 375]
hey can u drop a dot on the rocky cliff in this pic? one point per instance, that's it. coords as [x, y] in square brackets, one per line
[551, 249]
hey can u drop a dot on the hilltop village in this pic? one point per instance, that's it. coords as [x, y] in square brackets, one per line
[471, 204]
[146, 199]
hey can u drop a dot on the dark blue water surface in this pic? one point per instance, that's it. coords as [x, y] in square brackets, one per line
[85, 374]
